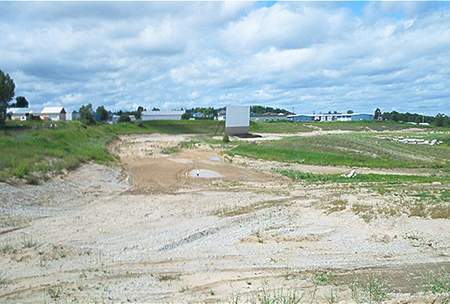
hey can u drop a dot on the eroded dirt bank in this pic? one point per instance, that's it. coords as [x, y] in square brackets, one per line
[166, 230]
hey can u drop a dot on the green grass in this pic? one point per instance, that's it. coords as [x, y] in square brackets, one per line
[361, 178]
[296, 127]
[438, 282]
[170, 127]
[32, 148]
[359, 150]
[44, 150]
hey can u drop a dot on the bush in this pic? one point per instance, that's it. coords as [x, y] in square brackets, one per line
[124, 118]
[226, 138]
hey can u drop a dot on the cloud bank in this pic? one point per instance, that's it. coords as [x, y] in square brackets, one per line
[301, 56]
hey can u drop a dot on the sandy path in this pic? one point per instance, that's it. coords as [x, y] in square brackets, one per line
[168, 237]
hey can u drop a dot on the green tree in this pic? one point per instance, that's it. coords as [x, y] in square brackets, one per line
[21, 102]
[377, 114]
[124, 117]
[7, 92]
[87, 114]
[350, 112]
[186, 116]
[441, 120]
[101, 114]
[138, 112]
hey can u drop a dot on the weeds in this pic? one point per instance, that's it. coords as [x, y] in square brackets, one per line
[7, 249]
[28, 242]
[437, 282]
[333, 297]
[373, 291]
[3, 280]
[168, 277]
[277, 297]
[323, 278]
[335, 206]
[55, 291]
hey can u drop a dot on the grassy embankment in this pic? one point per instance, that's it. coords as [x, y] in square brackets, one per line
[353, 150]
[290, 127]
[356, 150]
[31, 149]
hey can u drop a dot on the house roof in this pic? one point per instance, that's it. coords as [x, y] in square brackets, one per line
[161, 113]
[52, 110]
[19, 111]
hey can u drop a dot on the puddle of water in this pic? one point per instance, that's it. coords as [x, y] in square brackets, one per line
[215, 158]
[204, 173]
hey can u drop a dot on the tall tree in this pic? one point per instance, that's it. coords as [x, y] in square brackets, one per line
[7, 88]
[441, 120]
[377, 114]
[101, 114]
[87, 114]
[21, 102]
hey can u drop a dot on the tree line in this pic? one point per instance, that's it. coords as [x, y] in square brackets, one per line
[440, 120]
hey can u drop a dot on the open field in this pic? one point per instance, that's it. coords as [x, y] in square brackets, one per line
[177, 218]
[359, 150]
[32, 149]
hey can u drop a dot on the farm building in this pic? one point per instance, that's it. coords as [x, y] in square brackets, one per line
[53, 113]
[221, 115]
[161, 115]
[237, 120]
[330, 117]
[267, 117]
[19, 113]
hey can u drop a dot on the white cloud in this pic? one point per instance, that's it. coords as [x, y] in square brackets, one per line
[302, 55]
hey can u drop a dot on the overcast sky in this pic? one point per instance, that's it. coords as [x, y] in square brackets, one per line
[298, 55]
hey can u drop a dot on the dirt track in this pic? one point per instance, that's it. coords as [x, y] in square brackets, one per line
[156, 233]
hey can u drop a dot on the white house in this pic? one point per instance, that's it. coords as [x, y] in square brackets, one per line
[221, 115]
[161, 115]
[237, 120]
[19, 113]
[53, 113]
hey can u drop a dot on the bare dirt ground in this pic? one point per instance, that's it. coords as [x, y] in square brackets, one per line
[189, 226]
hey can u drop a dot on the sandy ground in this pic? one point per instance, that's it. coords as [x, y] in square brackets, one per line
[153, 231]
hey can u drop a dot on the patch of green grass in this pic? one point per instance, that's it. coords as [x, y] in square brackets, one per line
[437, 282]
[32, 149]
[3, 280]
[55, 292]
[44, 150]
[372, 291]
[170, 127]
[281, 127]
[353, 150]
[7, 248]
[297, 127]
[323, 278]
[28, 241]
[361, 178]
[277, 296]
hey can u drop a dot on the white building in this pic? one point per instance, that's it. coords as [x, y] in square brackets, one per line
[330, 117]
[21, 114]
[161, 115]
[53, 113]
[237, 120]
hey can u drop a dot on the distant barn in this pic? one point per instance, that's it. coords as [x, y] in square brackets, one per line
[53, 113]
[161, 115]
[330, 117]
[19, 113]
